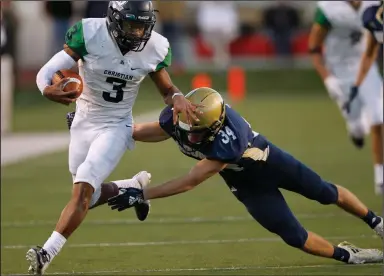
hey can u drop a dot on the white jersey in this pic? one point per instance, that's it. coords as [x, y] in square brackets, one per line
[111, 79]
[345, 42]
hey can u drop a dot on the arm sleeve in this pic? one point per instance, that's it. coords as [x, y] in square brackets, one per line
[58, 62]
[321, 19]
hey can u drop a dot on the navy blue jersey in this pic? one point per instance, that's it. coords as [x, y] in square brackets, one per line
[373, 21]
[235, 144]
[254, 163]
[229, 145]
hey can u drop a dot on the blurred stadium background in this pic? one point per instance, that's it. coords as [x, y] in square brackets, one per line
[205, 231]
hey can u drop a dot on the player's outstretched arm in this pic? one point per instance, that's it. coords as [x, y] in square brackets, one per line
[149, 132]
[173, 97]
[368, 58]
[203, 170]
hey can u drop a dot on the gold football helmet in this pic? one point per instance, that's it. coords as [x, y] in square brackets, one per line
[211, 119]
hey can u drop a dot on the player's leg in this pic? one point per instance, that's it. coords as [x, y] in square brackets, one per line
[82, 135]
[103, 155]
[269, 208]
[300, 179]
[111, 189]
[371, 92]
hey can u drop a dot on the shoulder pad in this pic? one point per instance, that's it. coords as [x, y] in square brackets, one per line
[159, 52]
[74, 38]
[227, 147]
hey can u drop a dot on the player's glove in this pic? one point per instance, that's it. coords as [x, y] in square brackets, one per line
[127, 198]
[70, 117]
[352, 96]
[333, 87]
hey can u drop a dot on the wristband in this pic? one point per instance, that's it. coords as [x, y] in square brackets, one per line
[177, 94]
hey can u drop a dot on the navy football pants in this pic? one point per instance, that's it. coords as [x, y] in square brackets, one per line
[258, 189]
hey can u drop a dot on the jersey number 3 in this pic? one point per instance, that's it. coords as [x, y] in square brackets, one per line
[118, 86]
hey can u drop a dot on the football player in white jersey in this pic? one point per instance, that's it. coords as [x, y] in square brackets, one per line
[336, 43]
[114, 55]
[373, 23]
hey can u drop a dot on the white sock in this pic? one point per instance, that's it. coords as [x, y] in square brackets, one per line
[127, 183]
[378, 173]
[54, 244]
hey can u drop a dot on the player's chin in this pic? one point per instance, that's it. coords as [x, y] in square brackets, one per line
[194, 138]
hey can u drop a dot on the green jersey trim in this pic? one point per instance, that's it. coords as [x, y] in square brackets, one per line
[166, 62]
[321, 19]
[74, 38]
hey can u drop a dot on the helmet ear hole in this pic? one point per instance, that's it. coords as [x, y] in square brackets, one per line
[116, 15]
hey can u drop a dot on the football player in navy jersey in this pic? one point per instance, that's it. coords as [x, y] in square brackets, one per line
[254, 169]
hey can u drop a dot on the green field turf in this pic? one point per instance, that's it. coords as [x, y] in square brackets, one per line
[205, 231]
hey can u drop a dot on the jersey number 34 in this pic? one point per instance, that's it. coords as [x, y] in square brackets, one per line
[227, 134]
[118, 86]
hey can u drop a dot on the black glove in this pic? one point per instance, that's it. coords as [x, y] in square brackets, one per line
[127, 198]
[70, 117]
[352, 96]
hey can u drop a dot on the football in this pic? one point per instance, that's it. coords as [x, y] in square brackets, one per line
[75, 82]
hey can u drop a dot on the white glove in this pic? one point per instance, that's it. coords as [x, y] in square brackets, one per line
[334, 88]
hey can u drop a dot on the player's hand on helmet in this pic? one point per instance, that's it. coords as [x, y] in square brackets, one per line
[55, 93]
[127, 198]
[189, 110]
[353, 95]
[334, 88]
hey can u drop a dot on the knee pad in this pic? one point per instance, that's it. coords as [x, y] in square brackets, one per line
[357, 129]
[295, 237]
[289, 229]
[86, 173]
[328, 194]
[374, 115]
[377, 118]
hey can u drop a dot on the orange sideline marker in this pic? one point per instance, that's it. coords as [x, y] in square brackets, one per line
[201, 80]
[236, 83]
